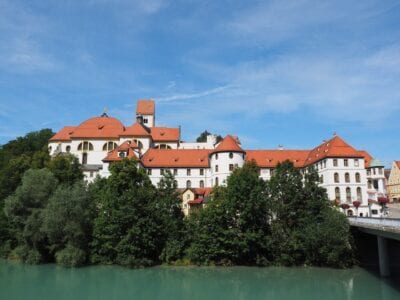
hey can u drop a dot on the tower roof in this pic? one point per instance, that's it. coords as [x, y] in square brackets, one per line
[229, 144]
[145, 107]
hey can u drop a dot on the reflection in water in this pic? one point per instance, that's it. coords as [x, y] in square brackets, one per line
[18, 281]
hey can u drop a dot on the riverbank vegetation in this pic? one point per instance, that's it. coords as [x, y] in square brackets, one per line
[49, 214]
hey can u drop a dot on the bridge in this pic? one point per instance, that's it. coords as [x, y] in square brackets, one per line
[383, 229]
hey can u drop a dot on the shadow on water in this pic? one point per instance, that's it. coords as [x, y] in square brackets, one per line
[19, 281]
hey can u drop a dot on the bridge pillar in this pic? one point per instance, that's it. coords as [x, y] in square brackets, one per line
[383, 257]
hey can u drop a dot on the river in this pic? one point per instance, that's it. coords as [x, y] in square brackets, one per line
[19, 281]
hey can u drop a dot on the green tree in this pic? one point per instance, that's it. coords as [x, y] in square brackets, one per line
[128, 229]
[66, 168]
[170, 210]
[24, 211]
[202, 138]
[233, 229]
[68, 224]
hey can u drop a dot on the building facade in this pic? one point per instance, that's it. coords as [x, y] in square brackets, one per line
[348, 175]
[393, 184]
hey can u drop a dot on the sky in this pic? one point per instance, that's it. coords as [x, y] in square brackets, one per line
[288, 73]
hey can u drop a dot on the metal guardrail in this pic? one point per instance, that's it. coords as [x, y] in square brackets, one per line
[381, 226]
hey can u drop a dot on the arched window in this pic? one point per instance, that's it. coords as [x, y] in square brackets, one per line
[163, 146]
[348, 194]
[49, 149]
[347, 177]
[188, 184]
[359, 194]
[336, 177]
[321, 179]
[216, 181]
[201, 183]
[230, 155]
[358, 178]
[85, 146]
[109, 146]
[337, 193]
[216, 155]
[68, 148]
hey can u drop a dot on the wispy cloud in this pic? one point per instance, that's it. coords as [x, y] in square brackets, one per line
[187, 96]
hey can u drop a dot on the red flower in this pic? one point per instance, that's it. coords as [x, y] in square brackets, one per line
[344, 206]
[356, 203]
[383, 200]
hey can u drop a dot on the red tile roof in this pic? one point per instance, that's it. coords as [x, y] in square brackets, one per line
[398, 163]
[196, 201]
[229, 143]
[63, 135]
[176, 158]
[98, 127]
[127, 146]
[136, 130]
[164, 134]
[335, 147]
[145, 107]
[270, 158]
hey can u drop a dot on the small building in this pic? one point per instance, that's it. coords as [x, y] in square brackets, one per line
[394, 182]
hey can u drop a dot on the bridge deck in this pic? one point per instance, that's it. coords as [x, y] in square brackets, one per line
[385, 227]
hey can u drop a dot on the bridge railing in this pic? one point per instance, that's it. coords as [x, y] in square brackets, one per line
[387, 222]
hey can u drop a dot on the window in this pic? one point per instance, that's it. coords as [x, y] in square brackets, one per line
[376, 186]
[163, 146]
[91, 174]
[348, 194]
[175, 172]
[49, 149]
[216, 168]
[321, 179]
[347, 177]
[201, 171]
[201, 183]
[148, 171]
[68, 148]
[139, 143]
[84, 158]
[336, 177]
[358, 178]
[380, 171]
[187, 196]
[216, 181]
[337, 193]
[374, 211]
[346, 162]
[369, 172]
[109, 146]
[369, 184]
[359, 195]
[188, 172]
[145, 121]
[374, 171]
[335, 164]
[161, 171]
[216, 155]
[85, 146]
[230, 155]
[230, 167]
[324, 163]
[188, 184]
[356, 163]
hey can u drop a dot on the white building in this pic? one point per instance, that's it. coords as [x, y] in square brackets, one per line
[349, 176]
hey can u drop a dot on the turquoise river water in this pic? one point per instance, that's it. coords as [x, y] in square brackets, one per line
[19, 281]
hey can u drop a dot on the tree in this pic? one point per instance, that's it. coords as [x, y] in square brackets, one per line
[234, 226]
[170, 210]
[128, 229]
[24, 210]
[66, 168]
[202, 138]
[68, 224]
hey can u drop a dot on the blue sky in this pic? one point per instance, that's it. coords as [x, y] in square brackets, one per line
[271, 72]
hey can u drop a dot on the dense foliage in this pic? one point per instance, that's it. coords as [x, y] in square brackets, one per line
[53, 215]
